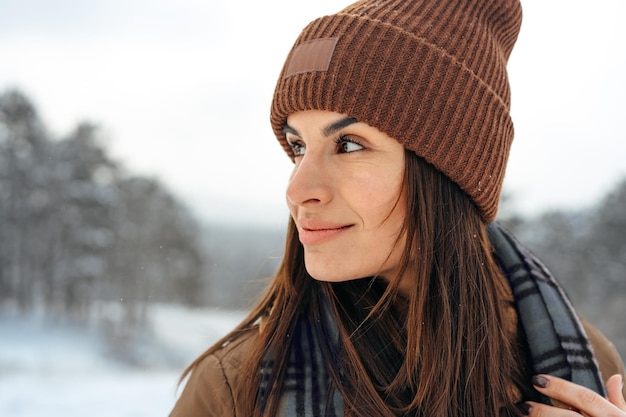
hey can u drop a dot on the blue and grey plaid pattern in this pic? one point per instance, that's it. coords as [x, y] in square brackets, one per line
[556, 339]
[307, 382]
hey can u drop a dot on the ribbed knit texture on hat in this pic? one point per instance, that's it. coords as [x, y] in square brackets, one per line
[429, 73]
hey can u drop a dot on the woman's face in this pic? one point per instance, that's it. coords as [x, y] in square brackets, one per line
[346, 196]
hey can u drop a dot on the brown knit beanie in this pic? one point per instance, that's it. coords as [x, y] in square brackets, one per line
[429, 73]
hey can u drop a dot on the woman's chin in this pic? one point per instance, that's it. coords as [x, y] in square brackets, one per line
[324, 275]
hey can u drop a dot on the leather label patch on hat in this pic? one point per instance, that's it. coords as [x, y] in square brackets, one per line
[313, 55]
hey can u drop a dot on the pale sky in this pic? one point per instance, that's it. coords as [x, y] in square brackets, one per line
[182, 89]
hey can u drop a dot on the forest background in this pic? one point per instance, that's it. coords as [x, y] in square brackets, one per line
[82, 240]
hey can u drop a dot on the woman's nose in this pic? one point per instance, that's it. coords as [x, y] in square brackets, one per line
[310, 182]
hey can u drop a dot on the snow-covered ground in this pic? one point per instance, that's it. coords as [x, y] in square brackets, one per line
[52, 370]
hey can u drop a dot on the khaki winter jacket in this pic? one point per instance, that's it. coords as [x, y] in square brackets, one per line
[209, 390]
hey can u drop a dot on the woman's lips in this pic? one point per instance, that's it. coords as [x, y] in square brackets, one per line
[310, 235]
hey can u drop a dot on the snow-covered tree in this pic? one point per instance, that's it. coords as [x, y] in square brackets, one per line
[75, 230]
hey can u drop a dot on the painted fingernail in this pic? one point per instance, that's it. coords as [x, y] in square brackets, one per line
[540, 381]
[523, 408]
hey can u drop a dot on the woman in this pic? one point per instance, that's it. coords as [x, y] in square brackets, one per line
[396, 296]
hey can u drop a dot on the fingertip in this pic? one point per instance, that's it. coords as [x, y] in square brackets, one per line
[617, 380]
[540, 381]
[614, 387]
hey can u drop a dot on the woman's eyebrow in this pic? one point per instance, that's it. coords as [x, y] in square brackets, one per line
[328, 130]
[289, 129]
[338, 125]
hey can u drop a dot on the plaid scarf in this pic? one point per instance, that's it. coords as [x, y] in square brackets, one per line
[556, 339]
[557, 342]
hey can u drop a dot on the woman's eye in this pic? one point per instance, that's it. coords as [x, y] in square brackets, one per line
[346, 145]
[297, 148]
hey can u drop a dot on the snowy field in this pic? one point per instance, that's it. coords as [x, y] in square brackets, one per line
[58, 370]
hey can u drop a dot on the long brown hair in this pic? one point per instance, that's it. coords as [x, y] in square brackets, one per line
[442, 350]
